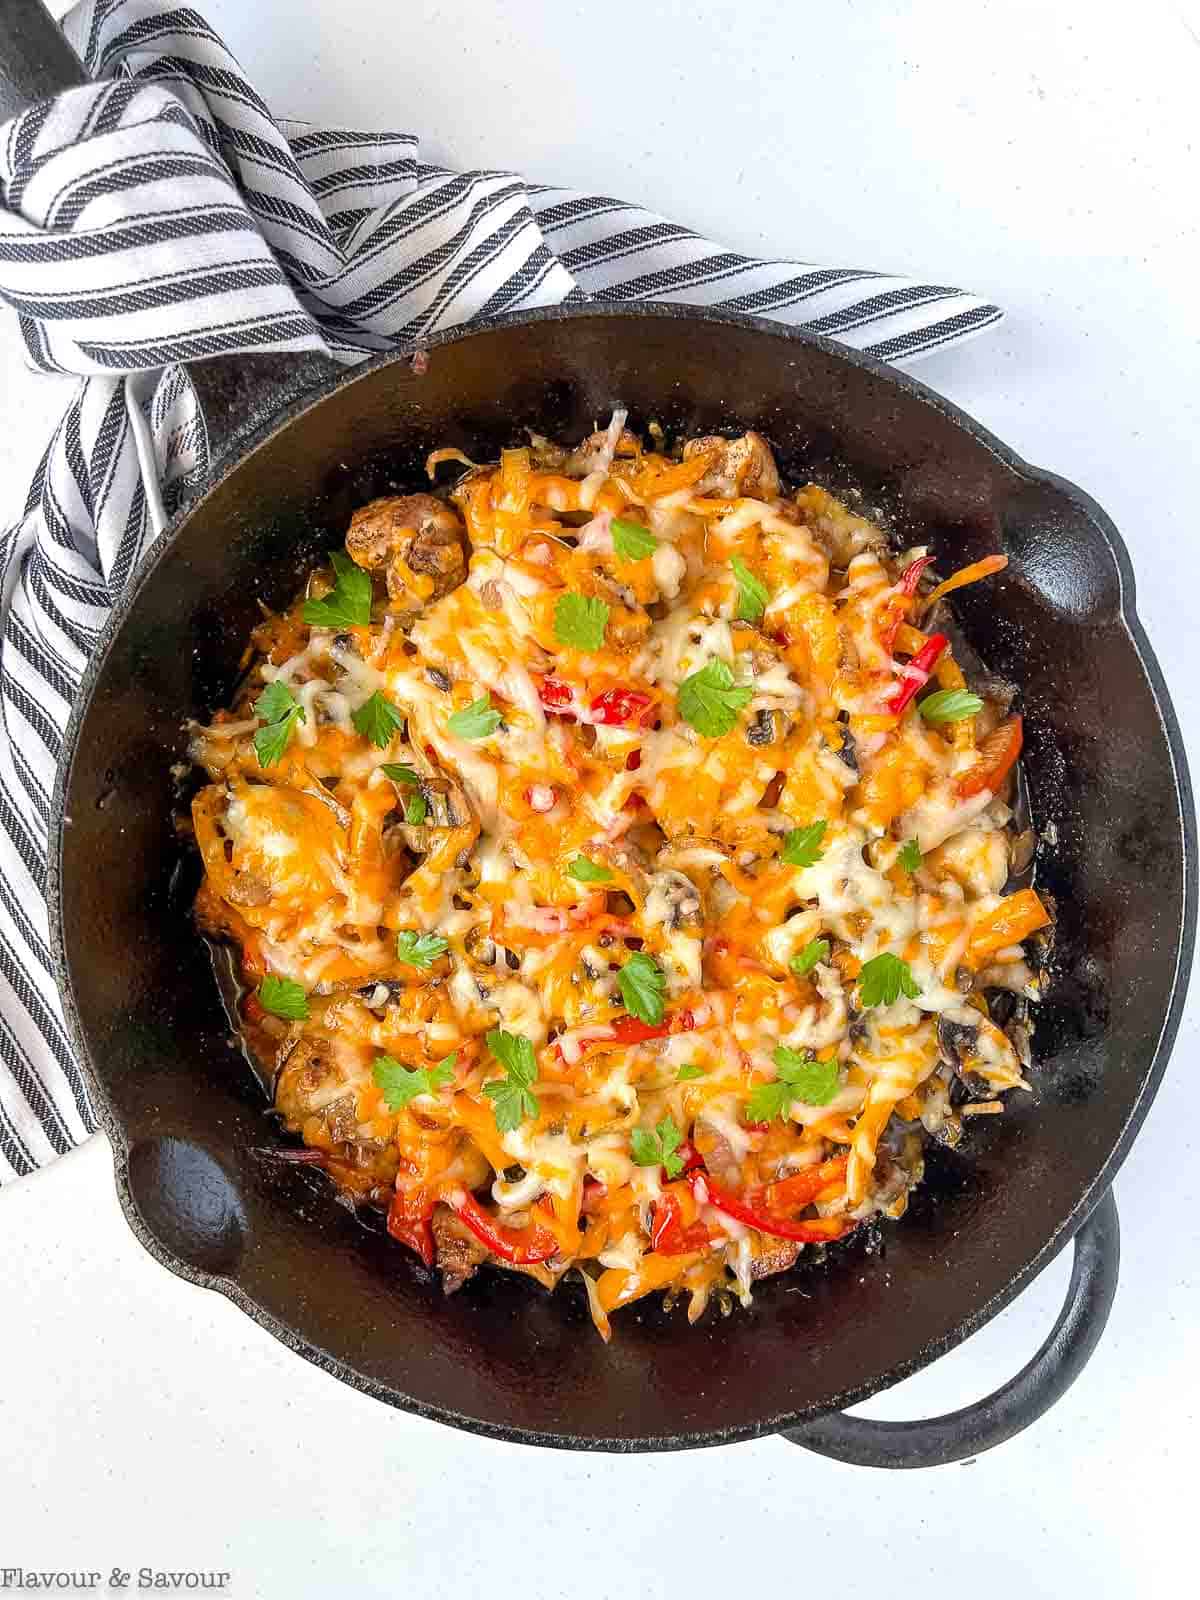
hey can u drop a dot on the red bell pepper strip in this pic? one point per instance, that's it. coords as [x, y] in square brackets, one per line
[408, 1220]
[816, 1231]
[911, 575]
[617, 706]
[523, 1247]
[669, 1236]
[556, 695]
[690, 1157]
[898, 600]
[632, 1030]
[917, 672]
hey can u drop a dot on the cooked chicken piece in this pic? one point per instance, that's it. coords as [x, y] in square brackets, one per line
[407, 535]
[459, 1252]
[744, 466]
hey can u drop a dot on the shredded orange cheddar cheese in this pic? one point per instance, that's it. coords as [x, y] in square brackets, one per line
[715, 793]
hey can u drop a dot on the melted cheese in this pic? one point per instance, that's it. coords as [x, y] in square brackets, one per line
[474, 848]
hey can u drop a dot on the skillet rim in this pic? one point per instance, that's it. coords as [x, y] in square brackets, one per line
[247, 446]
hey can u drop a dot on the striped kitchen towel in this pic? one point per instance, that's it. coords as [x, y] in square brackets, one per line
[162, 214]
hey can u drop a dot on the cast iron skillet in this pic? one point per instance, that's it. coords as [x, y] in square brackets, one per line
[1106, 777]
[1108, 785]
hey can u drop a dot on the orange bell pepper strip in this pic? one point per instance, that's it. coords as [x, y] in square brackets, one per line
[997, 756]
[986, 568]
[1014, 919]
[790, 1194]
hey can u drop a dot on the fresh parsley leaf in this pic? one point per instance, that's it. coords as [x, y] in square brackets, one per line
[585, 871]
[475, 721]
[710, 700]
[280, 712]
[802, 846]
[348, 604]
[631, 541]
[270, 742]
[805, 960]
[580, 621]
[400, 1084]
[769, 1100]
[884, 979]
[800, 1076]
[397, 773]
[949, 705]
[275, 702]
[415, 809]
[642, 985]
[514, 1052]
[511, 1096]
[689, 1071]
[910, 856]
[377, 719]
[419, 949]
[658, 1149]
[815, 1082]
[753, 593]
[283, 998]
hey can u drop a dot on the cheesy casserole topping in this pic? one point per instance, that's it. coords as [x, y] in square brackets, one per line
[617, 860]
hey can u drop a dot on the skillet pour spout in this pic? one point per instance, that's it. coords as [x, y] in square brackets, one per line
[1108, 793]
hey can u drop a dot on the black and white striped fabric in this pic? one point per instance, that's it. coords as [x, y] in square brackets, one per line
[162, 214]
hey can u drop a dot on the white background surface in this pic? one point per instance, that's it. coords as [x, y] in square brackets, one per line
[1044, 155]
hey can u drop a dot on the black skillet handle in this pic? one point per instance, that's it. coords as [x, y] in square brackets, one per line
[940, 1440]
[35, 60]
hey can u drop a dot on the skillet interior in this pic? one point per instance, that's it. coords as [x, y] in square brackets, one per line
[1104, 768]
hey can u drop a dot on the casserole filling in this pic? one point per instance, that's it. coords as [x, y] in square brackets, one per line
[622, 872]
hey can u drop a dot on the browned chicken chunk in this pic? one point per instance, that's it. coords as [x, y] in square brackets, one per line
[744, 466]
[410, 536]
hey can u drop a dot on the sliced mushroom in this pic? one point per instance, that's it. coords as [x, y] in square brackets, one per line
[674, 900]
[403, 535]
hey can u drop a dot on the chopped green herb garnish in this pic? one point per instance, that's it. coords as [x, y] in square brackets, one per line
[398, 774]
[642, 985]
[884, 979]
[419, 949]
[710, 700]
[658, 1149]
[512, 1097]
[475, 721]
[800, 1077]
[909, 855]
[377, 719]
[400, 1084]
[283, 998]
[753, 593]
[631, 541]
[949, 705]
[802, 846]
[580, 621]
[805, 960]
[416, 809]
[348, 604]
[585, 871]
[689, 1071]
[281, 713]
